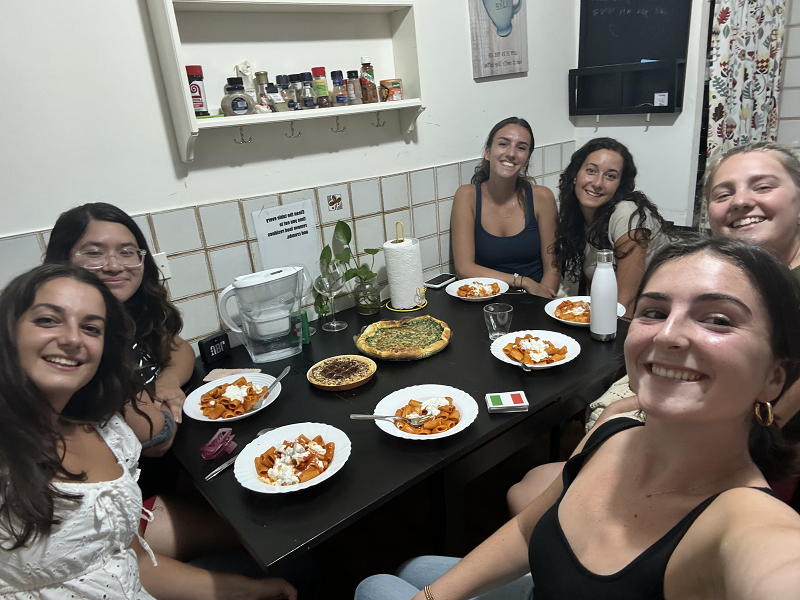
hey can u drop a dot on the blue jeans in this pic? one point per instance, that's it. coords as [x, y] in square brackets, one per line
[416, 573]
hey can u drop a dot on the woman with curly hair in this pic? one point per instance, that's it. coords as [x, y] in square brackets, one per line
[105, 240]
[602, 210]
[502, 225]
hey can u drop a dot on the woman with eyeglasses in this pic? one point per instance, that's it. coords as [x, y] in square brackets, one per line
[106, 241]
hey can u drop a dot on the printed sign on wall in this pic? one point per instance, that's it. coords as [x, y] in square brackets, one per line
[288, 235]
[499, 31]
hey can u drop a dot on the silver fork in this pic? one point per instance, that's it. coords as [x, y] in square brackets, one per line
[413, 421]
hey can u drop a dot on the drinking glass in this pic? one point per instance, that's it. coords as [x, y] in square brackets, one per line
[329, 283]
[498, 319]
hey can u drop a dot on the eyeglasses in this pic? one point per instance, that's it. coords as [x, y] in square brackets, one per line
[97, 259]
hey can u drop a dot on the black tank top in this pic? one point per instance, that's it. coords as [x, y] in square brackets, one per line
[558, 574]
[521, 253]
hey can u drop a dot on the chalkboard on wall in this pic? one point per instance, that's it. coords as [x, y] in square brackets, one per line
[627, 31]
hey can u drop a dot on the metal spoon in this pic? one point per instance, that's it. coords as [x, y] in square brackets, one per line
[230, 461]
[265, 393]
[413, 421]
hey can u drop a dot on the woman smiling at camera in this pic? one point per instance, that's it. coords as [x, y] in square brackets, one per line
[677, 507]
[502, 225]
[601, 209]
[69, 502]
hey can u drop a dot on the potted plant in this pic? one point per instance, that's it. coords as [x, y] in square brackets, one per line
[367, 292]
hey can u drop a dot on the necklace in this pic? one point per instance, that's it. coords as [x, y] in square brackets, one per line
[694, 487]
[497, 207]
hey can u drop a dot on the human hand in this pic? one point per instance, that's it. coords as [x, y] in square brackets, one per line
[537, 289]
[271, 588]
[172, 396]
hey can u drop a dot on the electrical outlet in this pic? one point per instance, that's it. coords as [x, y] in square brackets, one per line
[162, 264]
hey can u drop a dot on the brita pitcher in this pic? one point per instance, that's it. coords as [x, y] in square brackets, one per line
[269, 310]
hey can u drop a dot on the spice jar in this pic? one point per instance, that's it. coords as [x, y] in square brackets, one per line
[353, 87]
[197, 89]
[340, 96]
[369, 92]
[296, 84]
[391, 89]
[262, 94]
[287, 93]
[236, 102]
[321, 87]
[307, 95]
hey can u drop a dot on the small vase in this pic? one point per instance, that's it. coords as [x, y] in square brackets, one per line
[368, 296]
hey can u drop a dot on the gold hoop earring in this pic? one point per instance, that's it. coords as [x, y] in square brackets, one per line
[759, 418]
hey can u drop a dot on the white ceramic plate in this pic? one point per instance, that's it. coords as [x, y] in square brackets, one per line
[557, 339]
[465, 404]
[245, 469]
[452, 289]
[550, 309]
[192, 404]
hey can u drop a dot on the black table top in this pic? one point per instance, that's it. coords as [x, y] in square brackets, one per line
[276, 526]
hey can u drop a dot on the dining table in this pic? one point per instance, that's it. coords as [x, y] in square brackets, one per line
[277, 527]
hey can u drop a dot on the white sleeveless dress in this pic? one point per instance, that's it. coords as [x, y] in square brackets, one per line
[88, 556]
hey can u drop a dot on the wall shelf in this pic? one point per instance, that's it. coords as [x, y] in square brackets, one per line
[628, 88]
[293, 36]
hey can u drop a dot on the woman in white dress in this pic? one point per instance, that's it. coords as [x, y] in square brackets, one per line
[69, 502]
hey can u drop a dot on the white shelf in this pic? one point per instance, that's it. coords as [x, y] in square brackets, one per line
[213, 41]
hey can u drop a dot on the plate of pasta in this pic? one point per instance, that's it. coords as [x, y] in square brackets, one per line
[477, 289]
[309, 445]
[454, 411]
[575, 310]
[229, 398]
[537, 348]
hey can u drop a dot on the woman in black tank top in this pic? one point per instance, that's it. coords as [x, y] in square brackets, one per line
[677, 507]
[503, 226]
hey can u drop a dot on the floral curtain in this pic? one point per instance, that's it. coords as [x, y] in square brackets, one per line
[745, 55]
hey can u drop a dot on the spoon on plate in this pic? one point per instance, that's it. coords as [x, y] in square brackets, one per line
[413, 421]
[230, 461]
[265, 393]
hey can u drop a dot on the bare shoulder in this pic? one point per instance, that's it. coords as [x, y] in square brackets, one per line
[465, 194]
[543, 193]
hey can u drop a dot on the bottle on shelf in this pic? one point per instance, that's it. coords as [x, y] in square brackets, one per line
[321, 87]
[307, 95]
[369, 92]
[287, 92]
[603, 315]
[340, 95]
[296, 84]
[353, 87]
[197, 89]
[262, 95]
[236, 102]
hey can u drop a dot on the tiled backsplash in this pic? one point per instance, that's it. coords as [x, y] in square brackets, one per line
[208, 246]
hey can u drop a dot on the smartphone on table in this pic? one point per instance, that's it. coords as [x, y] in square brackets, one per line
[435, 283]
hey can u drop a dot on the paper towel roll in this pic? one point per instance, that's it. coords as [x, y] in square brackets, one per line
[404, 268]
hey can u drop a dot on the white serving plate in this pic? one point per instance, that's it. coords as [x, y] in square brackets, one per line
[453, 287]
[465, 404]
[244, 469]
[555, 338]
[191, 407]
[550, 309]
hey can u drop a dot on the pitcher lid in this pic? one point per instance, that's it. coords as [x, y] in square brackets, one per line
[267, 276]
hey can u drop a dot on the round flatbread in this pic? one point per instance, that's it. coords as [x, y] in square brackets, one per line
[339, 373]
[406, 339]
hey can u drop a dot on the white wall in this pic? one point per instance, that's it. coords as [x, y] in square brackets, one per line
[789, 106]
[665, 149]
[94, 126]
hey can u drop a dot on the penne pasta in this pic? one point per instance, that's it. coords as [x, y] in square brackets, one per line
[230, 399]
[294, 461]
[446, 416]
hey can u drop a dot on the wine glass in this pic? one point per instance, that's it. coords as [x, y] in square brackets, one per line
[329, 283]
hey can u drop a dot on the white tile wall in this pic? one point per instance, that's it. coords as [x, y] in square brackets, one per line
[365, 197]
[793, 41]
[394, 190]
[334, 203]
[144, 224]
[551, 181]
[19, 254]
[222, 223]
[177, 231]
[446, 181]
[445, 208]
[189, 275]
[207, 244]
[252, 205]
[552, 158]
[229, 263]
[536, 163]
[567, 150]
[422, 186]
[790, 103]
[425, 220]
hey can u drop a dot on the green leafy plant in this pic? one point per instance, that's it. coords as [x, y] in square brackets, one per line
[343, 235]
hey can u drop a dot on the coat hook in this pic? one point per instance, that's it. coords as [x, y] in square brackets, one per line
[377, 122]
[291, 127]
[241, 136]
[337, 130]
